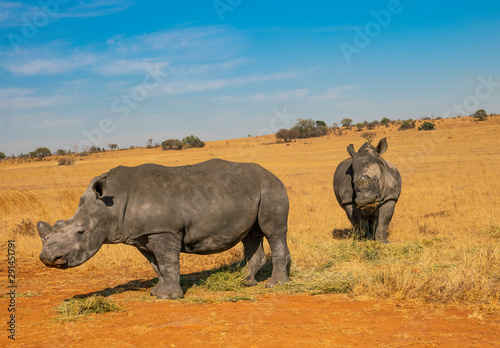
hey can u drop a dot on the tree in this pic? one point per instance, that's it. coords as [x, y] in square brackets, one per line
[113, 146]
[192, 141]
[320, 124]
[480, 114]
[359, 126]
[2, 155]
[41, 153]
[149, 145]
[346, 122]
[287, 134]
[369, 136]
[94, 149]
[304, 127]
[385, 122]
[60, 152]
[172, 144]
[283, 134]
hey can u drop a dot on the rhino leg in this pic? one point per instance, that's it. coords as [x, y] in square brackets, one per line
[272, 220]
[384, 218]
[254, 255]
[152, 260]
[166, 248]
[355, 216]
[281, 260]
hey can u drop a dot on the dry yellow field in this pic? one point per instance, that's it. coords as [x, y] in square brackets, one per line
[445, 233]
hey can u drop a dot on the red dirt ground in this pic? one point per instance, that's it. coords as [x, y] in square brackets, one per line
[274, 320]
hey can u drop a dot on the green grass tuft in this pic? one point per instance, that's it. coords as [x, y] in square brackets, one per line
[93, 304]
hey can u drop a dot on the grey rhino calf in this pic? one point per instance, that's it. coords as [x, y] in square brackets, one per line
[204, 208]
[368, 187]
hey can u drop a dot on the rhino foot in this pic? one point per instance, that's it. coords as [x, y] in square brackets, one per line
[272, 282]
[168, 292]
[170, 296]
[249, 281]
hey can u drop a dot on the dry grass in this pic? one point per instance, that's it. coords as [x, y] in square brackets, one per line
[76, 307]
[445, 232]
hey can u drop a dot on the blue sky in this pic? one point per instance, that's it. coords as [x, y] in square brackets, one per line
[97, 72]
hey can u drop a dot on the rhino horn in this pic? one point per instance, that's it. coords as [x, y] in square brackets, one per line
[382, 146]
[44, 230]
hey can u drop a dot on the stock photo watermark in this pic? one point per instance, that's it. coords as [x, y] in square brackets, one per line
[281, 119]
[11, 289]
[363, 36]
[46, 11]
[123, 106]
[223, 6]
[483, 91]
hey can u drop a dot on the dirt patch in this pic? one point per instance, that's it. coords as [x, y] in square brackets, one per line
[268, 320]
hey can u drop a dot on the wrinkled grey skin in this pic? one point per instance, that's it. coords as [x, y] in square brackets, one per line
[204, 208]
[368, 187]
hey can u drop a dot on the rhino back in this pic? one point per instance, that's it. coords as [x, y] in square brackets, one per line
[215, 196]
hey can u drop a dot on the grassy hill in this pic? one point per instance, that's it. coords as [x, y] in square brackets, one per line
[445, 233]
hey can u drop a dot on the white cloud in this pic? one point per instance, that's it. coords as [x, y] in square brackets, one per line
[13, 99]
[348, 105]
[126, 67]
[331, 94]
[50, 66]
[272, 96]
[43, 120]
[182, 44]
[280, 95]
[95, 8]
[186, 86]
[12, 13]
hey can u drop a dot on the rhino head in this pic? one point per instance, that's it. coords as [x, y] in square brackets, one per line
[368, 170]
[69, 243]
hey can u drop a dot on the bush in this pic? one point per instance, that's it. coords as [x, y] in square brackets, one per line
[427, 126]
[65, 161]
[407, 125]
[360, 126]
[370, 125]
[304, 128]
[192, 141]
[172, 144]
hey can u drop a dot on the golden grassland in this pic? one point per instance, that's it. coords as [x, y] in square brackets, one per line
[445, 233]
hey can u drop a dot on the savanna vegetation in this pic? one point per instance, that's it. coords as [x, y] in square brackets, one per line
[445, 233]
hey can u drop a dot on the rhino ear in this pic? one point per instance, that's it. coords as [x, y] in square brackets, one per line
[382, 146]
[100, 188]
[351, 151]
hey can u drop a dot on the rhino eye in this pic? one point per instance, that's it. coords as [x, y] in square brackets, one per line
[80, 231]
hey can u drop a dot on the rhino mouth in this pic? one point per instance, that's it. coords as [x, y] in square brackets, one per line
[59, 262]
[369, 207]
